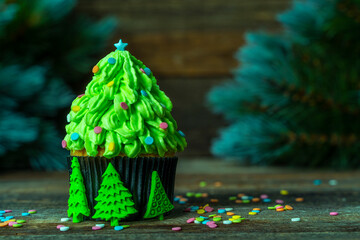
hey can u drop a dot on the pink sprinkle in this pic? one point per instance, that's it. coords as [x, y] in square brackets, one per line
[176, 229]
[60, 226]
[8, 211]
[124, 105]
[32, 210]
[142, 70]
[263, 196]
[212, 225]
[63, 144]
[190, 220]
[12, 223]
[279, 207]
[164, 125]
[97, 130]
[209, 209]
[96, 228]
[279, 201]
[80, 95]
[334, 213]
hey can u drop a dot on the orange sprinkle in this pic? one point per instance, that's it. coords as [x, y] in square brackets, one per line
[230, 213]
[112, 147]
[218, 184]
[299, 199]
[258, 209]
[213, 200]
[183, 199]
[205, 195]
[288, 207]
[240, 195]
[256, 199]
[238, 201]
[95, 69]
[217, 216]
[280, 209]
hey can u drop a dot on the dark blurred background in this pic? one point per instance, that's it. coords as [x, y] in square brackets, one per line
[282, 75]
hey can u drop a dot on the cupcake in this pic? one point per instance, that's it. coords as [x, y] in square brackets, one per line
[123, 143]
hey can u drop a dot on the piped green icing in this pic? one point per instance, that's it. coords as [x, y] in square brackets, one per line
[123, 131]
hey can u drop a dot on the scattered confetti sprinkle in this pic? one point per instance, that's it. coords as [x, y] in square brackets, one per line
[284, 192]
[64, 219]
[176, 229]
[333, 182]
[96, 228]
[317, 182]
[118, 228]
[334, 213]
[295, 219]
[64, 229]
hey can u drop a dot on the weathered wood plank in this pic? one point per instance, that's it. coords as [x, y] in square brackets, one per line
[47, 192]
[185, 37]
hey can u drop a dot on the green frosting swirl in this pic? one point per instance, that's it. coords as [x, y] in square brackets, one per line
[123, 131]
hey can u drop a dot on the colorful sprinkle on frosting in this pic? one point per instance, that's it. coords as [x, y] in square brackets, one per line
[138, 130]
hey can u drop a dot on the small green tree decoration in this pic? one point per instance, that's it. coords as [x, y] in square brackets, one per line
[114, 201]
[78, 205]
[158, 203]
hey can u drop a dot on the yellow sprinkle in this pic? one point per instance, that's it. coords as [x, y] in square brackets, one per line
[252, 213]
[200, 211]
[236, 216]
[231, 219]
[284, 192]
[75, 108]
[112, 146]
[206, 205]
[110, 83]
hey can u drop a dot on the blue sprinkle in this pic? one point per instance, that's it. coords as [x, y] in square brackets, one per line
[9, 217]
[118, 228]
[267, 200]
[317, 182]
[221, 210]
[74, 136]
[257, 211]
[245, 198]
[206, 221]
[176, 199]
[195, 207]
[250, 197]
[182, 202]
[1, 215]
[25, 214]
[147, 71]
[2, 211]
[144, 93]
[181, 133]
[149, 140]
[4, 219]
[204, 217]
[111, 60]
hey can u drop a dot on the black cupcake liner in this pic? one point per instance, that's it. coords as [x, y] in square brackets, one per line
[135, 173]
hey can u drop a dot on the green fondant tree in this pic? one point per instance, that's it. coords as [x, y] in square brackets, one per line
[78, 205]
[123, 111]
[114, 201]
[158, 203]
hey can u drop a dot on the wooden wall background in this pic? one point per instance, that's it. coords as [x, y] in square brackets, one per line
[189, 45]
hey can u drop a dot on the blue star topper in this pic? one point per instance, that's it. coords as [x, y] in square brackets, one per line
[120, 45]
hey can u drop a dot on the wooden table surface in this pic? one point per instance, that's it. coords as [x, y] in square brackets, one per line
[47, 193]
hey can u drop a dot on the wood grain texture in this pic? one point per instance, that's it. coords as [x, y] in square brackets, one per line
[47, 192]
[186, 37]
